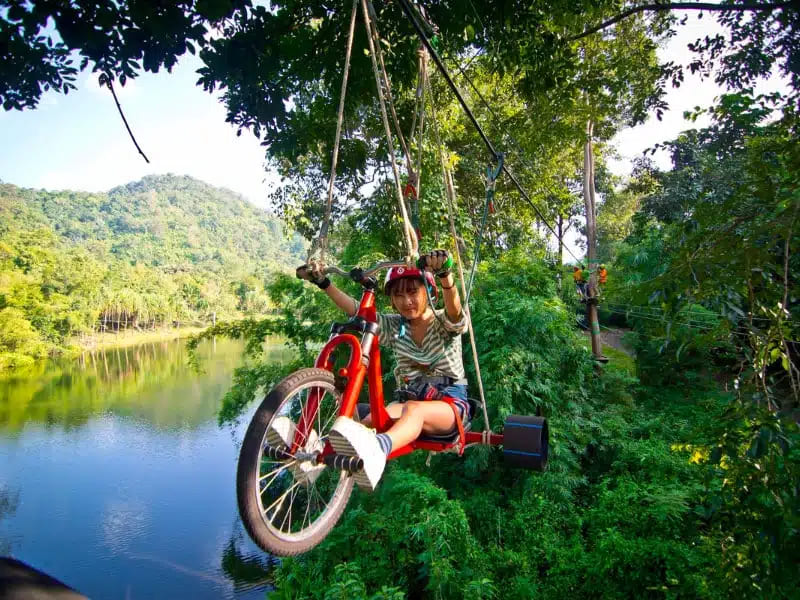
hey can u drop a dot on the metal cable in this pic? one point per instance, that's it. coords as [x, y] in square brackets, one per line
[450, 193]
[420, 32]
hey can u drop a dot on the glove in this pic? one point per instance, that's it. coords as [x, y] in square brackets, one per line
[438, 261]
[315, 273]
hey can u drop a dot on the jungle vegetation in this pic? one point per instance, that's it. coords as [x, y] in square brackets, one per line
[158, 252]
[678, 476]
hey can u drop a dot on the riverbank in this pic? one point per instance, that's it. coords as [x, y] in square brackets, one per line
[109, 341]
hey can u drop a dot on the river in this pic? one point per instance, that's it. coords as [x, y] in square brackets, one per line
[116, 478]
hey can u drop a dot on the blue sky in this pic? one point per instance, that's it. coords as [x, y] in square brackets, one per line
[79, 141]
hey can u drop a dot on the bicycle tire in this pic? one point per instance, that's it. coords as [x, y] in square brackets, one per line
[256, 519]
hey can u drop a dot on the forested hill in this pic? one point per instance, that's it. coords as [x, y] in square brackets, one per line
[161, 250]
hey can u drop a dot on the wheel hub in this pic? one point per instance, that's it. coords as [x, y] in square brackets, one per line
[306, 469]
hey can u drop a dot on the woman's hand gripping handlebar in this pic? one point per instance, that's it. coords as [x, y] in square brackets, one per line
[317, 272]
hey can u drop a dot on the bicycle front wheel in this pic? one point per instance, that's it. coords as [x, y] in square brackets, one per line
[288, 505]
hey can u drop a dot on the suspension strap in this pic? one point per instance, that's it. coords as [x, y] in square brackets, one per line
[451, 196]
[491, 180]
[412, 190]
[423, 74]
[409, 234]
[373, 31]
[320, 243]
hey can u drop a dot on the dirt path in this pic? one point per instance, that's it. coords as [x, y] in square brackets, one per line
[613, 337]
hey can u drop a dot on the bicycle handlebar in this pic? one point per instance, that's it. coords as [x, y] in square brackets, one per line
[356, 274]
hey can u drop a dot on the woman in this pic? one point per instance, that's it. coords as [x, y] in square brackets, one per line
[427, 346]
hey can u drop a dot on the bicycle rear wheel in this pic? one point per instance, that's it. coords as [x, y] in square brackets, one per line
[287, 505]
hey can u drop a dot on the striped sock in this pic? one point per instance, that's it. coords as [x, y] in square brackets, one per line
[386, 443]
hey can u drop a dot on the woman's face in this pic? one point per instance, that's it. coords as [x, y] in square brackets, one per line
[409, 298]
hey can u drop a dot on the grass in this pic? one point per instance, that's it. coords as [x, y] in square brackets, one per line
[617, 358]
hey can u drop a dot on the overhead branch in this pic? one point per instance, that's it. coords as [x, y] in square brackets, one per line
[758, 6]
[107, 81]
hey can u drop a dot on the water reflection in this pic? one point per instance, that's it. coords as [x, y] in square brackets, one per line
[128, 481]
[9, 500]
[246, 570]
[151, 382]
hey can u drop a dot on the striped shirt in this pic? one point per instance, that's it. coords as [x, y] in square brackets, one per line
[439, 355]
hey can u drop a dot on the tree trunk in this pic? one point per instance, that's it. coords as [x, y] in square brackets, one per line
[591, 243]
[560, 223]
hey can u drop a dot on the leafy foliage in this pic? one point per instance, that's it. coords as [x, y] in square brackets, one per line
[663, 484]
[616, 511]
[165, 249]
[713, 252]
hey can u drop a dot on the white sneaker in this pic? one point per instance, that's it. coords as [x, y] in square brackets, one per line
[281, 432]
[350, 438]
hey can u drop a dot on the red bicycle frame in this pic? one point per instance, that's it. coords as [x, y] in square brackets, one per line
[356, 370]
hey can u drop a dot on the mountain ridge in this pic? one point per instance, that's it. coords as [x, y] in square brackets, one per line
[152, 251]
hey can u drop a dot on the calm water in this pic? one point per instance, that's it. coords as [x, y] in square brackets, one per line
[116, 478]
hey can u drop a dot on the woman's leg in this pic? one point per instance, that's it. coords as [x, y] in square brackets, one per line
[395, 409]
[417, 417]
[350, 438]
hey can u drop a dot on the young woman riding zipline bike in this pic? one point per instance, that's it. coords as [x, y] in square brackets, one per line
[304, 447]
[427, 346]
[309, 440]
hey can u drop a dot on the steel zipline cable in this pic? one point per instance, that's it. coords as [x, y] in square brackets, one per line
[409, 12]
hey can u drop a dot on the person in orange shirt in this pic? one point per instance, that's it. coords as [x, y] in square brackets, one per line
[602, 275]
[580, 283]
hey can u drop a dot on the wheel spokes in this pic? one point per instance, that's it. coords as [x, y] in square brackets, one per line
[300, 492]
[280, 499]
[276, 472]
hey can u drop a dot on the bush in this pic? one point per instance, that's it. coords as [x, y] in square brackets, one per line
[613, 516]
[18, 337]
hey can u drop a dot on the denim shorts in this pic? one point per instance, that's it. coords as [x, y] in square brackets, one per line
[459, 395]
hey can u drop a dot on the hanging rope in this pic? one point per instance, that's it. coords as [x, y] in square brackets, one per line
[409, 234]
[418, 170]
[376, 38]
[411, 13]
[451, 199]
[412, 189]
[491, 180]
[321, 242]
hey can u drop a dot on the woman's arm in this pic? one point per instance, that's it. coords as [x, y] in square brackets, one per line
[439, 262]
[315, 273]
[452, 301]
[344, 301]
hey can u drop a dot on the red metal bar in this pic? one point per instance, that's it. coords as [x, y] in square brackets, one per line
[354, 371]
[323, 360]
[401, 451]
[473, 437]
[352, 391]
[366, 309]
[377, 406]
